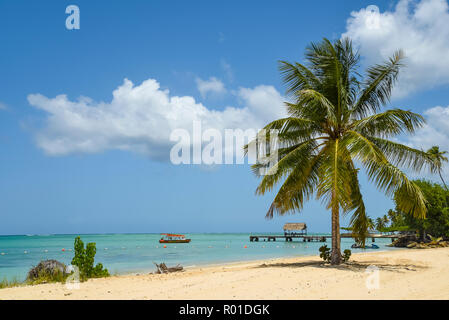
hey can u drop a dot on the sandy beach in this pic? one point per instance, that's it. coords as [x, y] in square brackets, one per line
[402, 274]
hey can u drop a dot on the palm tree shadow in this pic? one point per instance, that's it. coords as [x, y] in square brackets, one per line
[348, 266]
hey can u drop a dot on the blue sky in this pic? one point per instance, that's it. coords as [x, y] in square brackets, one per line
[114, 185]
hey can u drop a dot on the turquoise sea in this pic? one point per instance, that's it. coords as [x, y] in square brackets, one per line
[135, 253]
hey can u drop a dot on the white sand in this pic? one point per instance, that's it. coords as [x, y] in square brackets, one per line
[403, 274]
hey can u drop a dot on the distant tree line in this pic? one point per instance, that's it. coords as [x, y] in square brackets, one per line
[436, 222]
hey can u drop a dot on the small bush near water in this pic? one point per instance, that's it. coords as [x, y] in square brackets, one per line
[84, 260]
[47, 271]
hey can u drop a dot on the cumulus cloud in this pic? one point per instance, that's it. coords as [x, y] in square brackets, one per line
[213, 85]
[140, 118]
[435, 132]
[421, 29]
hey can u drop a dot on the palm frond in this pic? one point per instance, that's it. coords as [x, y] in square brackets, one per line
[393, 181]
[378, 86]
[297, 77]
[298, 187]
[292, 158]
[404, 156]
[389, 123]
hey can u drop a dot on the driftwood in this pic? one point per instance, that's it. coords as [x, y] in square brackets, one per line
[162, 268]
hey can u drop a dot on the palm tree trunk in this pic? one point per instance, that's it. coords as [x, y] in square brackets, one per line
[336, 251]
[439, 172]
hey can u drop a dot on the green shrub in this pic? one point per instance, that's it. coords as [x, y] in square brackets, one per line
[47, 271]
[84, 259]
[326, 253]
[47, 277]
[346, 255]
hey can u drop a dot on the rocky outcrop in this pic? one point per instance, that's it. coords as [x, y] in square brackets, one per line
[422, 245]
[412, 242]
[404, 241]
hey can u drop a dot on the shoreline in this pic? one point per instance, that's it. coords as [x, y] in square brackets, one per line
[201, 265]
[227, 263]
[403, 274]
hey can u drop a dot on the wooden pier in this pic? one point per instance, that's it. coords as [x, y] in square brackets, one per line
[317, 238]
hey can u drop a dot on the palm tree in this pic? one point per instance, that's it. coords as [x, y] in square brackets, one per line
[370, 224]
[385, 220]
[333, 124]
[391, 214]
[380, 224]
[437, 158]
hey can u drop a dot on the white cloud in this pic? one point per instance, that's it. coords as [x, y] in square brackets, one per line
[213, 85]
[435, 132]
[421, 29]
[140, 119]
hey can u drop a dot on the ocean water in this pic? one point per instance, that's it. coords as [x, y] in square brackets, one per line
[135, 253]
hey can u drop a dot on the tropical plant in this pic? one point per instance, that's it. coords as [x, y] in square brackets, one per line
[380, 224]
[325, 254]
[84, 259]
[370, 224]
[391, 215]
[437, 157]
[334, 122]
[346, 255]
[436, 222]
[385, 220]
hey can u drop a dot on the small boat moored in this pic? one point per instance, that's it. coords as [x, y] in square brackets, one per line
[173, 238]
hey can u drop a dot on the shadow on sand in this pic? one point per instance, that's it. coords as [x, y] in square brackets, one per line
[349, 266]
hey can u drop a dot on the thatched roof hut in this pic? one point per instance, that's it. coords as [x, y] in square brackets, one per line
[295, 227]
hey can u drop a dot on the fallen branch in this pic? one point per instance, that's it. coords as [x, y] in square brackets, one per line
[162, 268]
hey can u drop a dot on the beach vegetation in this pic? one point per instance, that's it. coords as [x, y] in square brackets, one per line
[47, 271]
[325, 254]
[346, 255]
[5, 283]
[335, 126]
[436, 222]
[84, 259]
[438, 158]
